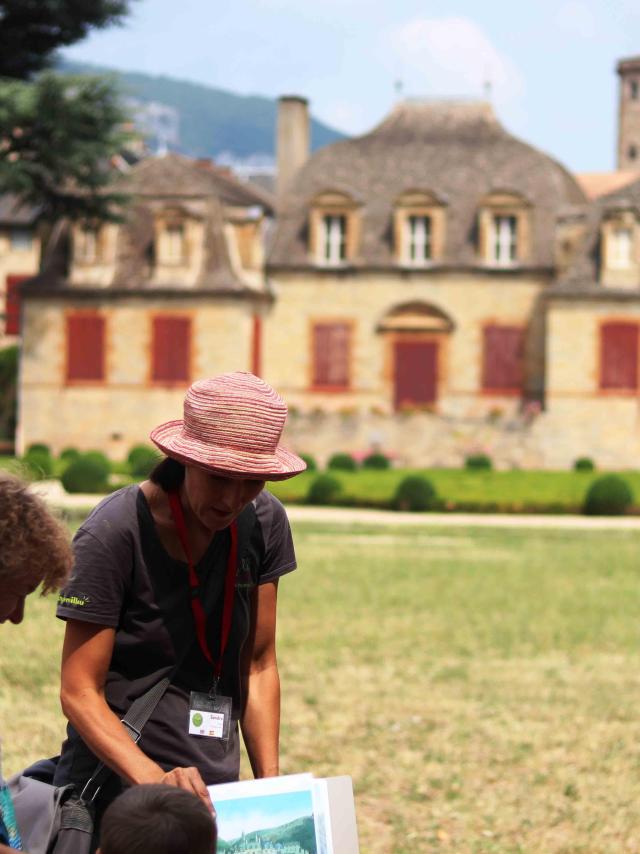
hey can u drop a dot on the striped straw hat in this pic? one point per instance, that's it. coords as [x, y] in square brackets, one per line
[232, 425]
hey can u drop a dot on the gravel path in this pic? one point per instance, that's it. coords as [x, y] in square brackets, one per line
[54, 494]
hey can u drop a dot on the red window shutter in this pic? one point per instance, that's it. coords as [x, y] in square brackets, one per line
[331, 355]
[12, 304]
[619, 356]
[85, 347]
[415, 373]
[171, 349]
[503, 359]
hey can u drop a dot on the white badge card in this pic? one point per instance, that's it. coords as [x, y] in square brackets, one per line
[209, 716]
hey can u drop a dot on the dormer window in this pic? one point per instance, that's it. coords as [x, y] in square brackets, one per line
[334, 228]
[334, 239]
[504, 240]
[419, 229]
[504, 230]
[619, 250]
[171, 238]
[173, 244]
[87, 244]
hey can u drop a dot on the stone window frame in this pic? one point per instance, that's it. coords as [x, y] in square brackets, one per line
[419, 203]
[505, 204]
[613, 221]
[169, 219]
[333, 203]
[82, 242]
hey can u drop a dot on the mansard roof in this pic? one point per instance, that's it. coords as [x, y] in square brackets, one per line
[456, 150]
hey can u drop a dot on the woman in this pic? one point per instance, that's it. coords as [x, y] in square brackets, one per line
[178, 576]
[35, 551]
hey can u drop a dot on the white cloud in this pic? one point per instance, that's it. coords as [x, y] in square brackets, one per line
[575, 18]
[453, 57]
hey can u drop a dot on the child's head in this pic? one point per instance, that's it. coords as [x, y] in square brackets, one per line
[157, 818]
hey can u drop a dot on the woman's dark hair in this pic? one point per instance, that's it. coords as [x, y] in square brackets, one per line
[159, 818]
[168, 474]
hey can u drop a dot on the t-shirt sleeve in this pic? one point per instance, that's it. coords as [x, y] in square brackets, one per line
[97, 587]
[279, 554]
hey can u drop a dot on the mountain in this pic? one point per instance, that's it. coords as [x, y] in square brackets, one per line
[302, 831]
[209, 121]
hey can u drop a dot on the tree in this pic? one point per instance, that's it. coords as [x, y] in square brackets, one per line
[58, 135]
[31, 30]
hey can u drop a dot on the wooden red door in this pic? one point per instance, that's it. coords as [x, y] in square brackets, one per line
[415, 373]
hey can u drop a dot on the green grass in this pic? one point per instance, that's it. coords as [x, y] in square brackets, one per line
[529, 489]
[479, 685]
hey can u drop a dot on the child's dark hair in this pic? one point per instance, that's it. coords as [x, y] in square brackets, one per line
[168, 474]
[158, 818]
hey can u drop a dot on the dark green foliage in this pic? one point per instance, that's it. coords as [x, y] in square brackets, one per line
[8, 384]
[68, 455]
[39, 447]
[59, 135]
[31, 30]
[39, 461]
[610, 495]
[376, 461]
[310, 461]
[478, 462]
[325, 489]
[211, 120]
[415, 493]
[100, 460]
[342, 462]
[85, 474]
[141, 459]
[584, 464]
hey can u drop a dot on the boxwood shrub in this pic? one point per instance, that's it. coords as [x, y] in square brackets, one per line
[312, 465]
[415, 493]
[324, 489]
[86, 474]
[376, 461]
[610, 495]
[584, 464]
[342, 462]
[141, 459]
[38, 461]
[478, 462]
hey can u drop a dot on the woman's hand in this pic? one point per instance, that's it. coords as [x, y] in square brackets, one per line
[189, 779]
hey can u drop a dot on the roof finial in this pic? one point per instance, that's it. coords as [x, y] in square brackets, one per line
[399, 87]
[488, 86]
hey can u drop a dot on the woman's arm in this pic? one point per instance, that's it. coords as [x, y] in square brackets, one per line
[86, 655]
[260, 720]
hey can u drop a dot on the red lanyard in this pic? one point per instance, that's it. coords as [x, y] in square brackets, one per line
[197, 609]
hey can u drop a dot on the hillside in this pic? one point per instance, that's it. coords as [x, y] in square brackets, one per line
[211, 121]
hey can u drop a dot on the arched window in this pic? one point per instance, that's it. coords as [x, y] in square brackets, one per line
[504, 230]
[419, 229]
[334, 229]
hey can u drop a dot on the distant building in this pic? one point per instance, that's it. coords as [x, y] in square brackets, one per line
[123, 317]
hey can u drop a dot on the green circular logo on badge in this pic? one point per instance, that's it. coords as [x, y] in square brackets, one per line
[196, 720]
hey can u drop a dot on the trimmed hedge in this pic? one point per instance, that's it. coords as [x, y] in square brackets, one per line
[100, 459]
[142, 459]
[38, 462]
[68, 455]
[584, 464]
[376, 461]
[312, 465]
[415, 493]
[86, 474]
[478, 462]
[610, 495]
[342, 462]
[325, 489]
[39, 448]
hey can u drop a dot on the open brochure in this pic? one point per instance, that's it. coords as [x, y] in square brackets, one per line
[296, 814]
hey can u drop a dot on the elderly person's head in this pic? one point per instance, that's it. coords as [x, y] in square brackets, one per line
[34, 548]
[225, 447]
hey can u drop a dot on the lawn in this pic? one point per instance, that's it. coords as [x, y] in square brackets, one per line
[479, 685]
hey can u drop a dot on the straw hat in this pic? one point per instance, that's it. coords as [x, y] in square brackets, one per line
[232, 425]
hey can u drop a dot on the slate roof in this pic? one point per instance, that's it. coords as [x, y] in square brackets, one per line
[155, 182]
[456, 150]
[15, 212]
[581, 279]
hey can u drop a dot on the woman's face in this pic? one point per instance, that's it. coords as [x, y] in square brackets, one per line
[12, 596]
[216, 501]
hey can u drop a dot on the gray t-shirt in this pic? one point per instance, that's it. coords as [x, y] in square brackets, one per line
[124, 578]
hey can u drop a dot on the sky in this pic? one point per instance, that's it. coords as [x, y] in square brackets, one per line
[247, 815]
[549, 65]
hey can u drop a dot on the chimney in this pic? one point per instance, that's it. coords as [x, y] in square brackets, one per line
[629, 114]
[292, 140]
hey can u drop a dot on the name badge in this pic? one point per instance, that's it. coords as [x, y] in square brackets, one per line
[210, 716]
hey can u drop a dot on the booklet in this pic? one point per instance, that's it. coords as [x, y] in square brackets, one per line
[296, 814]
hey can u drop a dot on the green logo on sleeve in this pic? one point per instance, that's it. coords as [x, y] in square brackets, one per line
[196, 719]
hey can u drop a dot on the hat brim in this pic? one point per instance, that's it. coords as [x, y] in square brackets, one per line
[230, 462]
